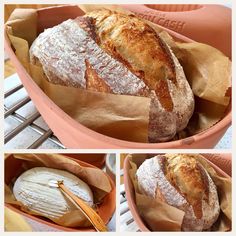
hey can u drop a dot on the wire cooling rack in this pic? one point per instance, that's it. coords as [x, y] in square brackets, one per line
[24, 128]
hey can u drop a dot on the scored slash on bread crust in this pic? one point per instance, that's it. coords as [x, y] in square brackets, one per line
[189, 178]
[181, 181]
[32, 189]
[115, 30]
[111, 52]
[63, 51]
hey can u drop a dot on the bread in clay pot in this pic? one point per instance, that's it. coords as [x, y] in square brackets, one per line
[32, 189]
[112, 52]
[182, 182]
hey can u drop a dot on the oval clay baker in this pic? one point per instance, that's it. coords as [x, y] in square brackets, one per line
[74, 135]
[215, 160]
[14, 167]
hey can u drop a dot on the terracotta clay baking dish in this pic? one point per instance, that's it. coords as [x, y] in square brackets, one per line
[191, 20]
[13, 168]
[219, 162]
[73, 134]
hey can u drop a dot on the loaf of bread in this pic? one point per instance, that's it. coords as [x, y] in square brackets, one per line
[111, 52]
[181, 181]
[33, 191]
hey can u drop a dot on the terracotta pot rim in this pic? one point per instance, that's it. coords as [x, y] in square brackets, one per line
[223, 123]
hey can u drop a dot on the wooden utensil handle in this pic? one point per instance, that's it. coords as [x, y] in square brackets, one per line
[92, 215]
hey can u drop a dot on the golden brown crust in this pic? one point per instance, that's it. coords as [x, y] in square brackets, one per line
[136, 45]
[189, 179]
[93, 81]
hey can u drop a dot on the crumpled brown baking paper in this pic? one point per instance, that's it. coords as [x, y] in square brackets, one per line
[160, 216]
[127, 117]
[94, 177]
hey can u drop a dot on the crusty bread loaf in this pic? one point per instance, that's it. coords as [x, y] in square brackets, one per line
[181, 181]
[32, 190]
[116, 53]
